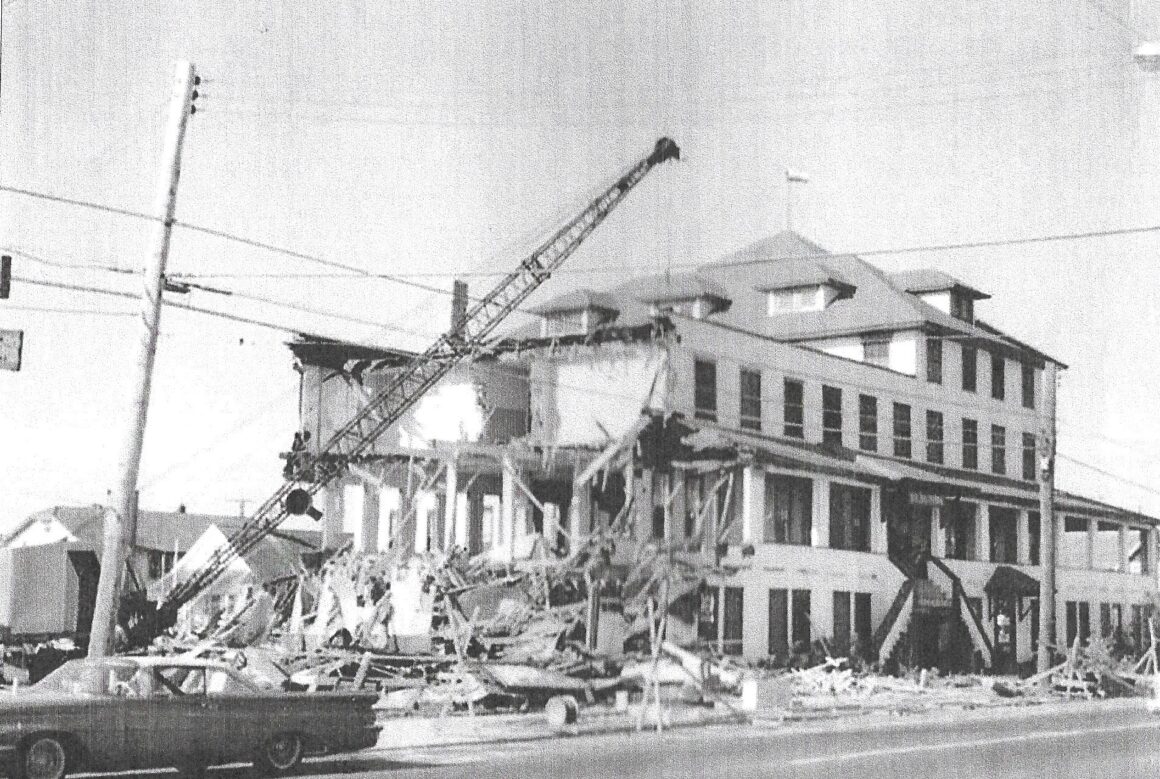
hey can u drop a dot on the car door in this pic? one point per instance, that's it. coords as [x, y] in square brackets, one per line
[235, 715]
[167, 726]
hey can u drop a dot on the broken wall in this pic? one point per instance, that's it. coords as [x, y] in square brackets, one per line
[484, 401]
[592, 395]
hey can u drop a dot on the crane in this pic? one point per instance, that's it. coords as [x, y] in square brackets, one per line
[401, 392]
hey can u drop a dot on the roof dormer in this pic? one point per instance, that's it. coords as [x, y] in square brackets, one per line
[809, 289]
[685, 294]
[579, 312]
[942, 291]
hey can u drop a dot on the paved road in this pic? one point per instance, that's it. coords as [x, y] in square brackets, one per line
[1097, 742]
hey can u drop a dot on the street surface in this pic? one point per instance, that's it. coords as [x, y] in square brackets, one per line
[1076, 742]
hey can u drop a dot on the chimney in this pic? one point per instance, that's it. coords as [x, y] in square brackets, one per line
[458, 307]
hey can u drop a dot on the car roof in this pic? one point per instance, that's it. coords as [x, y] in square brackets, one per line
[162, 660]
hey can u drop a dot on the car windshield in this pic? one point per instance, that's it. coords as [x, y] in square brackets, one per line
[87, 677]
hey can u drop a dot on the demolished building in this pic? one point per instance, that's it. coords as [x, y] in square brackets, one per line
[833, 453]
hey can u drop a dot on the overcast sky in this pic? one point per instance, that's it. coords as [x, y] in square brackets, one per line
[439, 137]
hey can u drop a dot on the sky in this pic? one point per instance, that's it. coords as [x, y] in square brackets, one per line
[443, 138]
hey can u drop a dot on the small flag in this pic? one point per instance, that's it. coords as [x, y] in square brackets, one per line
[796, 178]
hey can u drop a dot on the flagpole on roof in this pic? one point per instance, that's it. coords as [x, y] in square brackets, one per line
[791, 178]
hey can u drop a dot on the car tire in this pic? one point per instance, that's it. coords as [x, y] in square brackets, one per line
[280, 754]
[42, 757]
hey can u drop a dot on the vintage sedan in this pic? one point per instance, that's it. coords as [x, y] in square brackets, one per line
[121, 713]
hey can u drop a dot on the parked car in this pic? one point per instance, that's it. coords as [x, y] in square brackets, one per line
[123, 713]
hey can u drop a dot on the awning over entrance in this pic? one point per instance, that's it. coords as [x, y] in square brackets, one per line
[1011, 581]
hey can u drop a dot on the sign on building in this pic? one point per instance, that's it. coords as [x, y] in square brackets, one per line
[11, 343]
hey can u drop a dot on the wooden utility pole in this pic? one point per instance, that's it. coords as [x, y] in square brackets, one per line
[118, 525]
[1047, 536]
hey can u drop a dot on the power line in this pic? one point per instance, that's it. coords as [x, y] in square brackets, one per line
[65, 265]
[47, 310]
[900, 250]
[1109, 474]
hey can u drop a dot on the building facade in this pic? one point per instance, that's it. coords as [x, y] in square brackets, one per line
[853, 455]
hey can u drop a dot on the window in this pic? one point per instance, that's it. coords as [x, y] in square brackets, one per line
[1085, 622]
[707, 614]
[705, 389]
[1071, 621]
[849, 517]
[175, 681]
[998, 377]
[863, 629]
[1034, 603]
[868, 423]
[831, 416]
[1028, 383]
[778, 622]
[970, 444]
[160, 563]
[1138, 555]
[1004, 534]
[789, 506]
[1075, 524]
[998, 449]
[794, 413]
[970, 368]
[841, 613]
[801, 620]
[1105, 620]
[1033, 537]
[750, 399]
[808, 298]
[901, 430]
[732, 624]
[934, 437]
[959, 519]
[962, 307]
[876, 351]
[658, 523]
[934, 355]
[1029, 456]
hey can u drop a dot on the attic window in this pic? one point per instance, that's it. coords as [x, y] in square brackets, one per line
[794, 299]
[962, 307]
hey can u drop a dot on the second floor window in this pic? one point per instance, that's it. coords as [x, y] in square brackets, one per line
[970, 369]
[794, 411]
[998, 377]
[970, 444]
[876, 351]
[705, 389]
[1028, 385]
[934, 355]
[998, 449]
[901, 430]
[831, 416]
[934, 437]
[868, 423]
[750, 399]
[1029, 456]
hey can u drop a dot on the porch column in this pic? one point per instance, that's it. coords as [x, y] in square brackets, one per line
[508, 508]
[369, 528]
[983, 533]
[877, 526]
[333, 515]
[820, 522]
[451, 503]
[1090, 547]
[1124, 549]
[938, 533]
[1023, 539]
[752, 505]
[675, 524]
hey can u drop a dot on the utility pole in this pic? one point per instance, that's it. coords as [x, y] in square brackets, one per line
[1047, 536]
[119, 520]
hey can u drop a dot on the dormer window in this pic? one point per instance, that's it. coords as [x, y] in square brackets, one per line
[806, 297]
[576, 313]
[962, 307]
[784, 301]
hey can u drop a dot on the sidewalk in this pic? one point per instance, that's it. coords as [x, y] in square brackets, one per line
[458, 730]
